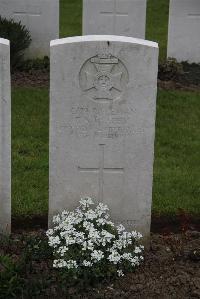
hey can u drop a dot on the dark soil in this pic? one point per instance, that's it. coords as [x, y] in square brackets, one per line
[33, 78]
[189, 80]
[171, 270]
[160, 224]
[180, 76]
[176, 85]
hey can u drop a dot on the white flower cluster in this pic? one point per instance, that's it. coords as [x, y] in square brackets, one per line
[86, 237]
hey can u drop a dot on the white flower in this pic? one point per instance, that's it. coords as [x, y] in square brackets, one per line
[62, 250]
[79, 237]
[141, 257]
[137, 250]
[120, 228]
[56, 219]
[95, 237]
[71, 264]
[90, 215]
[88, 225]
[136, 235]
[135, 261]
[54, 241]
[87, 263]
[84, 246]
[97, 255]
[127, 256]
[86, 202]
[120, 273]
[108, 236]
[59, 263]
[110, 223]
[101, 221]
[114, 257]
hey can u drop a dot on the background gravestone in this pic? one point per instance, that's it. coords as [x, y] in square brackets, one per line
[102, 123]
[119, 17]
[184, 30]
[5, 138]
[41, 17]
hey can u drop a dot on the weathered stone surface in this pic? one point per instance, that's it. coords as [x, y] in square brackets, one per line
[102, 123]
[5, 138]
[41, 17]
[120, 17]
[184, 30]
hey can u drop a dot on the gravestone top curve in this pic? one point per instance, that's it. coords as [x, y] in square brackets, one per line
[96, 38]
[4, 41]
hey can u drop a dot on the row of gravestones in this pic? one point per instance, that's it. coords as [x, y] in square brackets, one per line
[121, 17]
[102, 125]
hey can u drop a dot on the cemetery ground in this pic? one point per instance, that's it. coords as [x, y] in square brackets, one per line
[171, 267]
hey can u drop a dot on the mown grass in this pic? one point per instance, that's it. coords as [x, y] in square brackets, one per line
[177, 159]
[157, 24]
[70, 18]
[30, 119]
[156, 27]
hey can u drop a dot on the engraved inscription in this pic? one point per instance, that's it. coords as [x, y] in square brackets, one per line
[101, 122]
[103, 78]
[101, 169]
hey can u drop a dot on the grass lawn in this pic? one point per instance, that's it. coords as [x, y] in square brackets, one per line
[157, 21]
[177, 159]
[30, 120]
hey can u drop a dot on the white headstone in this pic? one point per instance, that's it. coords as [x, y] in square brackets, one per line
[120, 17]
[103, 103]
[41, 17]
[184, 30]
[5, 138]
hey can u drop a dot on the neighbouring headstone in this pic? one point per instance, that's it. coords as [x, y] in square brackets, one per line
[5, 138]
[102, 123]
[119, 17]
[41, 17]
[184, 30]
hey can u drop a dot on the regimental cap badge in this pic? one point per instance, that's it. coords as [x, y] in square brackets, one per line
[103, 77]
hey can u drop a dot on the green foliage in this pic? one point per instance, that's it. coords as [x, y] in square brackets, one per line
[26, 275]
[170, 69]
[37, 249]
[11, 282]
[35, 64]
[19, 37]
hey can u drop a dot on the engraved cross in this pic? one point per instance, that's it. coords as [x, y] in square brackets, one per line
[101, 170]
[115, 14]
